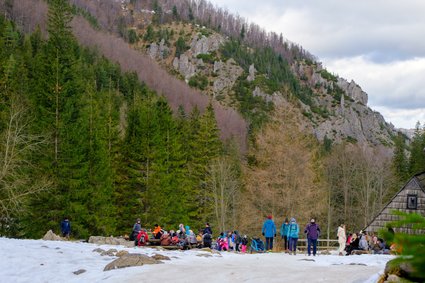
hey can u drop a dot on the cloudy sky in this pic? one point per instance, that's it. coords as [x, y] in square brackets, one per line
[380, 44]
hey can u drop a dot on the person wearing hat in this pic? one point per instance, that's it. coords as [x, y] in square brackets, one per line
[293, 231]
[313, 231]
[269, 231]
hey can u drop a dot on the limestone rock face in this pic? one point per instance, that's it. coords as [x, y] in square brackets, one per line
[158, 51]
[184, 66]
[50, 236]
[252, 72]
[204, 45]
[227, 74]
[130, 260]
[353, 90]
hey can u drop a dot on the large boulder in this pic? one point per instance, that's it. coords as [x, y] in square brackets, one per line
[130, 260]
[50, 236]
[394, 270]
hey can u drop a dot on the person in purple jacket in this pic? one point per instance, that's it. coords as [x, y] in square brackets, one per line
[313, 232]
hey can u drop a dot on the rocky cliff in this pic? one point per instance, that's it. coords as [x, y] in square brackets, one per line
[339, 111]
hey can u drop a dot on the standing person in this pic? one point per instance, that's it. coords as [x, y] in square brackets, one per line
[269, 231]
[136, 229]
[293, 231]
[284, 234]
[207, 229]
[66, 227]
[342, 239]
[313, 232]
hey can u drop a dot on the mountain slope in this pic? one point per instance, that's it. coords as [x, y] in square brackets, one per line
[334, 108]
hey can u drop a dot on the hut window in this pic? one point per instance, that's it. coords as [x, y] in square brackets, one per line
[412, 201]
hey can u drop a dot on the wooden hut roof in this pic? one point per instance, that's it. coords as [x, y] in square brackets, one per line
[418, 178]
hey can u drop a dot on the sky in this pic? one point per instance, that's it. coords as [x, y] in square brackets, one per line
[380, 44]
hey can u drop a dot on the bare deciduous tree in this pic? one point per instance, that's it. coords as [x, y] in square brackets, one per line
[224, 186]
[16, 147]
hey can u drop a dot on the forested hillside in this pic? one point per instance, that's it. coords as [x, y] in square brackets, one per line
[167, 142]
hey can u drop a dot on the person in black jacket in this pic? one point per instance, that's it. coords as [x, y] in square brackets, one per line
[207, 229]
[354, 244]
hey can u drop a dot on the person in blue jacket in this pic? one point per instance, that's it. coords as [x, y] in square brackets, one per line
[293, 231]
[269, 231]
[284, 234]
[65, 227]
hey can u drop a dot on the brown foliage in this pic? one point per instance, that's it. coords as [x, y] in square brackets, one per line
[177, 92]
[284, 182]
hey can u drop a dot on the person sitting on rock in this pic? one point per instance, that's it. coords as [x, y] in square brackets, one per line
[142, 238]
[157, 232]
[165, 239]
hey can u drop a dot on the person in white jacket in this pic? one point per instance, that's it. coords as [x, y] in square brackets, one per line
[342, 239]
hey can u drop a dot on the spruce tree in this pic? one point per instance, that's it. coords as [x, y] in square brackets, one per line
[417, 151]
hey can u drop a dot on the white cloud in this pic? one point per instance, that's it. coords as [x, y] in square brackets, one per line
[397, 85]
[402, 118]
[379, 44]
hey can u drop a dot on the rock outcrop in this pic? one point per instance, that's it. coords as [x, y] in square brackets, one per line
[184, 66]
[204, 45]
[130, 260]
[353, 90]
[50, 236]
[399, 272]
[158, 51]
[110, 241]
[251, 75]
[227, 74]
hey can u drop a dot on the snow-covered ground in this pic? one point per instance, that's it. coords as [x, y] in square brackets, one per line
[48, 261]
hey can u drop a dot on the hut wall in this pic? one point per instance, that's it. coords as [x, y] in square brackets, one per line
[399, 202]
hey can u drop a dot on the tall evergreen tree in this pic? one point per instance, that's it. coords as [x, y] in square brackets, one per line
[417, 151]
[400, 162]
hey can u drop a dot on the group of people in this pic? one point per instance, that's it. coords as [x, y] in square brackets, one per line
[183, 237]
[289, 232]
[362, 242]
[231, 241]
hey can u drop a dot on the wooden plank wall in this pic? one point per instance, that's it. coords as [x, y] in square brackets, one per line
[399, 203]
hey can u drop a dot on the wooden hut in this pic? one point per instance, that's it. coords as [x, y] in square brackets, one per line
[410, 199]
